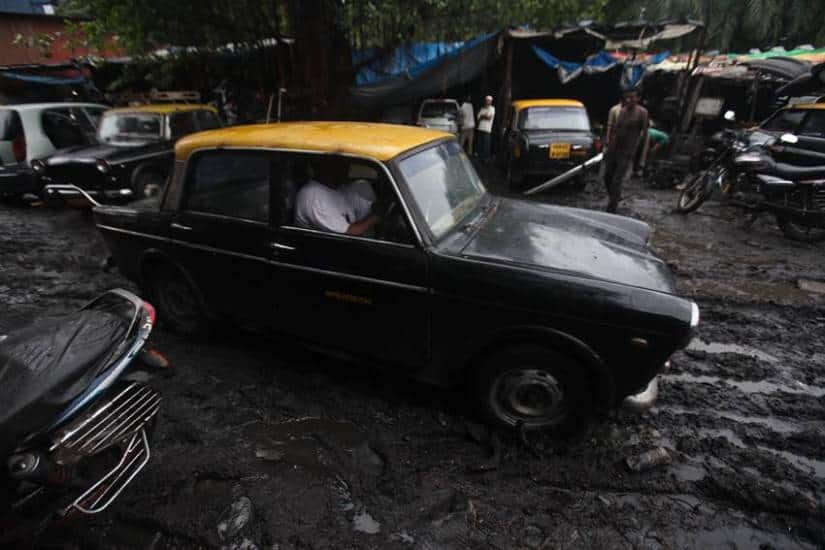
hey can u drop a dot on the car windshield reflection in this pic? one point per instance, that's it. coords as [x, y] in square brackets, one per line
[116, 126]
[444, 185]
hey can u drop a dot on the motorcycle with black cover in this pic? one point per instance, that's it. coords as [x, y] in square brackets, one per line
[74, 428]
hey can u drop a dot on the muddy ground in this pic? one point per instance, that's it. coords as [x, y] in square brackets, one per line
[324, 454]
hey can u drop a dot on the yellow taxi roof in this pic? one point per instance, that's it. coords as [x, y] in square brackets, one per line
[807, 106]
[368, 139]
[520, 104]
[164, 108]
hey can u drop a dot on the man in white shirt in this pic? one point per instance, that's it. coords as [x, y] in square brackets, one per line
[329, 206]
[468, 125]
[485, 127]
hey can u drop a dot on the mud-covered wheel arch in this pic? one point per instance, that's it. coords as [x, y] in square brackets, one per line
[174, 294]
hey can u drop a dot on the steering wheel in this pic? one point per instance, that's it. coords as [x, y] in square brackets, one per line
[386, 210]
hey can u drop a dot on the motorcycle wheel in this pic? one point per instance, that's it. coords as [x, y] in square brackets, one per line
[693, 195]
[798, 232]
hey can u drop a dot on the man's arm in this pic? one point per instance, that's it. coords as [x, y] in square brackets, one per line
[361, 227]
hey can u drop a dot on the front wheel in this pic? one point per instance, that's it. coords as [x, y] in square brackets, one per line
[695, 193]
[535, 387]
[798, 232]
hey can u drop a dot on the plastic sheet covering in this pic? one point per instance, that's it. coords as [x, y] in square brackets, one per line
[432, 77]
[45, 366]
[568, 70]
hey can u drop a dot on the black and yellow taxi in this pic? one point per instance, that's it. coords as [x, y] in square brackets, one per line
[546, 137]
[548, 313]
[133, 153]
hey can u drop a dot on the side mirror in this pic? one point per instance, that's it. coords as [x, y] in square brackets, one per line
[730, 116]
[790, 139]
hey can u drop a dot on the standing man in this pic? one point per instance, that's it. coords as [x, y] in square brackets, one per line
[468, 125]
[623, 139]
[485, 127]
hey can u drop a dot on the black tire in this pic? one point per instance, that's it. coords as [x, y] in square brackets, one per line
[535, 387]
[802, 233]
[693, 195]
[177, 302]
[580, 183]
[148, 183]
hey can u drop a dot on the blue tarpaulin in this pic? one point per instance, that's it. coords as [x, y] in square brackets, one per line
[44, 80]
[568, 70]
[632, 73]
[410, 60]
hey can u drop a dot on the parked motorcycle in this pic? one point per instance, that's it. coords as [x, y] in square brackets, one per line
[74, 429]
[748, 176]
[720, 171]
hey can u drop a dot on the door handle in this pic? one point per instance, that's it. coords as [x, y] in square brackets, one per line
[179, 226]
[278, 246]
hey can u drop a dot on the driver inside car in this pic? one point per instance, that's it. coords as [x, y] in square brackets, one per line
[331, 204]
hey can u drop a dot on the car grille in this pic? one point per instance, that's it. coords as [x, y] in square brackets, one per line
[818, 198]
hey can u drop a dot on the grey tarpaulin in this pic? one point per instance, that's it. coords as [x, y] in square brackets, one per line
[454, 70]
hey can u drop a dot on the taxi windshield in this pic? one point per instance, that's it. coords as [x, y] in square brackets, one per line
[554, 118]
[119, 126]
[444, 185]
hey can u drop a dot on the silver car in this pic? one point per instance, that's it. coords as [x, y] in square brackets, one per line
[440, 114]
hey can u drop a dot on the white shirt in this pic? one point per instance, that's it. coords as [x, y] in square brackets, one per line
[468, 120]
[486, 124]
[325, 209]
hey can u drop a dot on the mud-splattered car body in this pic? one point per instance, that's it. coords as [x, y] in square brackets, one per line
[437, 300]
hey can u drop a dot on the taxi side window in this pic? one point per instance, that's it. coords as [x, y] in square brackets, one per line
[814, 124]
[234, 184]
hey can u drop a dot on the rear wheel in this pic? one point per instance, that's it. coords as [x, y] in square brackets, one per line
[798, 232]
[535, 387]
[177, 302]
[694, 194]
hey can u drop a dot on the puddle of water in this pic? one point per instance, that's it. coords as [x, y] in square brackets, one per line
[687, 472]
[770, 422]
[716, 348]
[813, 466]
[365, 523]
[740, 537]
[746, 386]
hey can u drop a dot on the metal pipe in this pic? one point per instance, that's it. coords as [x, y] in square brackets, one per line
[573, 172]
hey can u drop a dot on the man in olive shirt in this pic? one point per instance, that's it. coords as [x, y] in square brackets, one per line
[623, 139]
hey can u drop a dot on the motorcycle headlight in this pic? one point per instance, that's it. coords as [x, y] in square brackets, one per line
[102, 166]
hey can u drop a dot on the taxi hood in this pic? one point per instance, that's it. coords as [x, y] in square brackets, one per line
[583, 242]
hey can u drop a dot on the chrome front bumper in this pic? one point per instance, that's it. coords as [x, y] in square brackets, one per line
[644, 400]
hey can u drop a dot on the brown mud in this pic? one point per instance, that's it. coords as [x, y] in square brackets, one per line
[333, 455]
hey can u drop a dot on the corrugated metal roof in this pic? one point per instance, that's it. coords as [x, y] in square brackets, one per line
[27, 7]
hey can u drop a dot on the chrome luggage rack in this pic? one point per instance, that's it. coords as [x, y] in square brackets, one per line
[119, 422]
